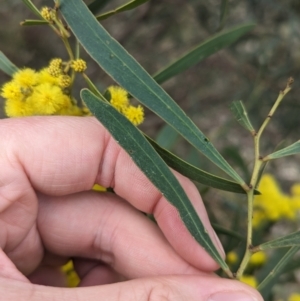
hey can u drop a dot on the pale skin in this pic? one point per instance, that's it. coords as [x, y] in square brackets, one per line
[48, 214]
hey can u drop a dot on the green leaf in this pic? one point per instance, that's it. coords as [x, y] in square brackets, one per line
[128, 6]
[240, 114]
[32, 7]
[6, 65]
[223, 13]
[196, 174]
[290, 240]
[150, 163]
[126, 71]
[287, 151]
[265, 286]
[97, 5]
[34, 22]
[221, 230]
[202, 51]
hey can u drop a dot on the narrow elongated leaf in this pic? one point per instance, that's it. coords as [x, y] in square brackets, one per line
[223, 13]
[97, 5]
[201, 52]
[196, 174]
[32, 7]
[150, 163]
[241, 115]
[290, 240]
[125, 70]
[221, 230]
[34, 22]
[128, 6]
[6, 65]
[265, 286]
[287, 151]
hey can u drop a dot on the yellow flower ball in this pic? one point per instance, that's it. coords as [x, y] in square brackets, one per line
[118, 98]
[250, 280]
[134, 114]
[46, 99]
[17, 108]
[232, 257]
[26, 78]
[48, 14]
[12, 90]
[79, 65]
[258, 259]
[294, 297]
[45, 77]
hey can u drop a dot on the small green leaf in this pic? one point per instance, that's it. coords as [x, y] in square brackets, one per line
[32, 7]
[196, 174]
[223, 13]
[202, 51]
[6, 65]
[290, 240]
[128, 6]
[240, 114]
[287, 151]
[97, 5]
[265, 286]
[150, 163]
[127, 72]
[221, 230]
[34, 22]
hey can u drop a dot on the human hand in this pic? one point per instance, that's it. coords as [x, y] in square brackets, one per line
[48, 214]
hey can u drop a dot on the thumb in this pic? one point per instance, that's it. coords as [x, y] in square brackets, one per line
[167, 288]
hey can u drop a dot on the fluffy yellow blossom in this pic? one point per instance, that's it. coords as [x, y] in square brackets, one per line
[295, 189]
[45, 77]
[48, 14]
[232, 257]
[118, 98]
[258, 259]
[250, 280]
[79, 65]
[12, 90]
[26, 78]
[46, 99]
[294, 297]
[134, 114]
[272, 204]
[72, 277]
[17, 108]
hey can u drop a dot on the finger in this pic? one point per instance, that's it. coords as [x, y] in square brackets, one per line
[102, 226]
[168, 288]
[62, 155]
[8, 269]
[48, 275]
[93, 272]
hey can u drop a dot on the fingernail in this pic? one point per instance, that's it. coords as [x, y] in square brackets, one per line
[232, 296]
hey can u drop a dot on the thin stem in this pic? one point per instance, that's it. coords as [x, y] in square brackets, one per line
[258, 162]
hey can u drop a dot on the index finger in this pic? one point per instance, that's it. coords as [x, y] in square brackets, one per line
[62, 155]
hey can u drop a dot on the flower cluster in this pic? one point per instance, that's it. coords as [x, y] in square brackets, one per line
[273, 205]
[46, 92]
[119, 99]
